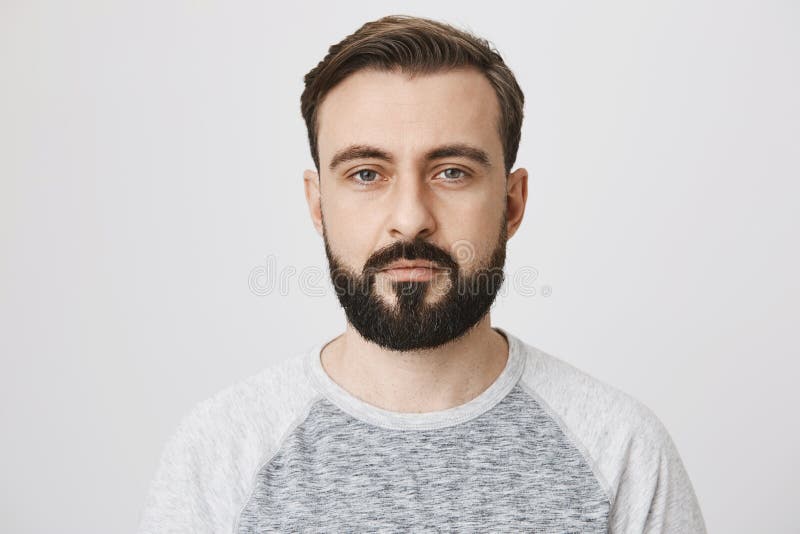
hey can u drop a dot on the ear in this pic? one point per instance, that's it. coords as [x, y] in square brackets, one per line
[516, 197]
[313, 198]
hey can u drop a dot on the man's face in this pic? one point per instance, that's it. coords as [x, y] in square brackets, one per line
[412, 170]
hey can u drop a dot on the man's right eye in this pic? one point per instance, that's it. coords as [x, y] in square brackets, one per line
[364, 177]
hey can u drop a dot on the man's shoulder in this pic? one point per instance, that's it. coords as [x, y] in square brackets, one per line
[204, 473]
[276, 392]
[238, 423]
[580, 396]
[626, 445]
[614, 430]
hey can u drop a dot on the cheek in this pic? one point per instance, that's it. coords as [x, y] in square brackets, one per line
[475, 252]
[472, 232]
[350, 233]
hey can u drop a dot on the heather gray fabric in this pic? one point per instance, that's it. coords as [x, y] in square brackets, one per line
[546, 448]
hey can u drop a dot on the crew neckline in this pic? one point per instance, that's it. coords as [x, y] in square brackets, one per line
[369, 413]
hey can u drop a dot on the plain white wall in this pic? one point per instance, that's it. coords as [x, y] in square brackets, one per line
[151, 158]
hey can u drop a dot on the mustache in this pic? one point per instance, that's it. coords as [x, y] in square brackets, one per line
[417, 249]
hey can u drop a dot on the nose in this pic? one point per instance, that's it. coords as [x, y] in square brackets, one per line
[410, 209]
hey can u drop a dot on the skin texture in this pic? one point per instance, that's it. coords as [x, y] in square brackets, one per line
[414, 198]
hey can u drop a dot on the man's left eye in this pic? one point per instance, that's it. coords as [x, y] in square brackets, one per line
[453, 173]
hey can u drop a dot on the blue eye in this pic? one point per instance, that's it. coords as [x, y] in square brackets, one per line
[365, 178]
[452, 178]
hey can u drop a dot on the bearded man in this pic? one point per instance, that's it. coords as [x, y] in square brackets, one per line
[420, 416]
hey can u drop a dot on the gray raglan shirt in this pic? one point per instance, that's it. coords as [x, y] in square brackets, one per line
[546, 448]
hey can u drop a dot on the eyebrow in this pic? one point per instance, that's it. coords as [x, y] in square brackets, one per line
[455, 150]
[354, 152]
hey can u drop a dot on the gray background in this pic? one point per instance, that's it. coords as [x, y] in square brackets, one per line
[151, 158]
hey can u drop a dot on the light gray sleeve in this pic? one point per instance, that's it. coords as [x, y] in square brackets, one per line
[193, 485]
[206, 468]
[653, 492]
[626, 444]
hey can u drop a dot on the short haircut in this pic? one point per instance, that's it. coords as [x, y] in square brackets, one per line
[415, 45]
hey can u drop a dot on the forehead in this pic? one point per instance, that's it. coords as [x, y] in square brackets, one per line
[406, 116]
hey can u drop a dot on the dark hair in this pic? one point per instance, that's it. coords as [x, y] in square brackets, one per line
[417, 46]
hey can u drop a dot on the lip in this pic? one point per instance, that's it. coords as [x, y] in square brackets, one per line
[418, 274]
[412, 265]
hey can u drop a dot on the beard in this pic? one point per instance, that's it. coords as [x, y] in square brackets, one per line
[412, 321]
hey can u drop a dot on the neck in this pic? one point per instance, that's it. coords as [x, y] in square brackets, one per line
[417, 381]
